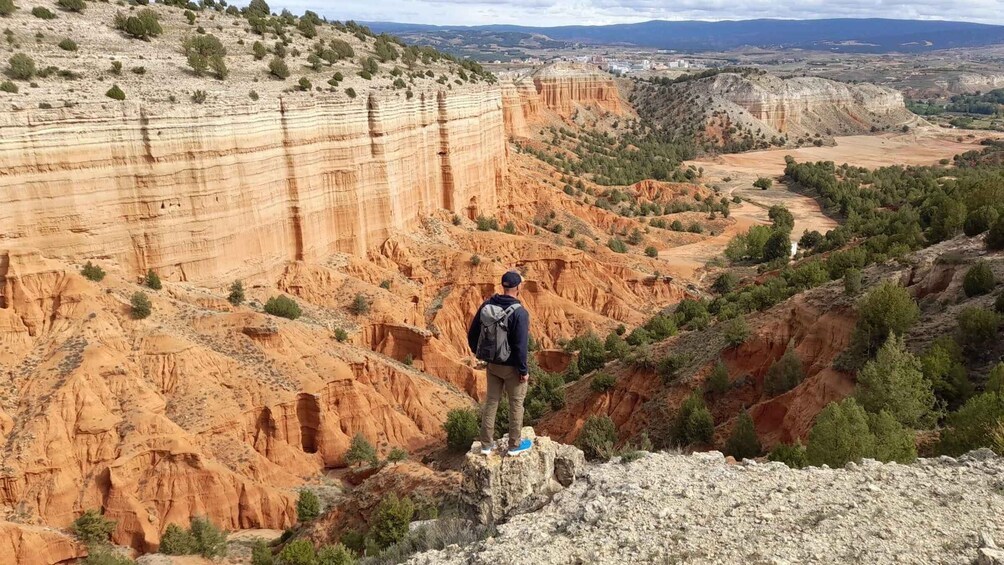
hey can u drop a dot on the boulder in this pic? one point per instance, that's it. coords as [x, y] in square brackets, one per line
[498, 486]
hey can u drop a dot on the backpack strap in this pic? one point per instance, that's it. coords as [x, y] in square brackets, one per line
[507, 313]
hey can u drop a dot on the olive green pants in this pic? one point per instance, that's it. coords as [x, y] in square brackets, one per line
[503, 378]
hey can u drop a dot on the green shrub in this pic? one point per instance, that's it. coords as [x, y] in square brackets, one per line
[259, 50]
[210, 541]
[978, 328]
[777, 247]
[572, 372]
[736, 331]
[894, 383]
[971, 426]
[105, 555]
[602, 382]
[206, 52]
[785, 373]
[22, 67]
[852, 281]
[298, 552]
[341, 335]
[253, 95]
[283, 307]
[943, 365]
[475, 260]
[397, 455]
[336, 554]
[617, 245]
[360, 451]
[693, 422]
[115, 93]
[360, 305]
[68, 45]
[718, 379]
[979, 279]
[144, 25]
[743, 443]
[72, 5]
[258, 8]
[840, 434]
[763, 183]
[304, 84]
[152, 280]
[782, 219]
[261, 553]
[350, 92]
[888, 308]
[792, 455]
[199, 96]
[7, 7]
[725, 283]
[995, 380]
[42, 13]
[277, 67]
[308, 506]
[92, 528]
[92, 272]
[597, 438]
[141, 306]
[389, 522]
[8, 86]
[116, 68]
[236, 296]
[893, 440]
[995, 238]
[651, 251]
[461, 428]
[980, 220]
[177, 541]
[669, 367]
[486, 223]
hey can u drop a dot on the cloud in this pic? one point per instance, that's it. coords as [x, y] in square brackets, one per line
[598, 12]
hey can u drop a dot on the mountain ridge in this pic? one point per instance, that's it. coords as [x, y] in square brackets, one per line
[864, 35]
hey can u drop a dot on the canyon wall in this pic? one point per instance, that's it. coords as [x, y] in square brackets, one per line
[806, 105]
[553, 93]
[210, 194]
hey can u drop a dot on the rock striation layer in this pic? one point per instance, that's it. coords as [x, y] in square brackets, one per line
[216, 193]
[554, 93]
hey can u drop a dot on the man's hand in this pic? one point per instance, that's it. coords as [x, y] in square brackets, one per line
[524, 378]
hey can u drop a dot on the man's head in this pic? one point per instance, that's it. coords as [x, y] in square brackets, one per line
[511, 282]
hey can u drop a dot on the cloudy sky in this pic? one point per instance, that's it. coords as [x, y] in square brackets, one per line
[594, 12]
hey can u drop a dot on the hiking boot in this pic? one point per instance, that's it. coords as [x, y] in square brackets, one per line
[523, 447]
[486, 449]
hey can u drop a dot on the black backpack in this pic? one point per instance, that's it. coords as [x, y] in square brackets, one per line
[493, 343]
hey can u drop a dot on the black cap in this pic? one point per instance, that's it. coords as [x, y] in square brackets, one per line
[511, 279]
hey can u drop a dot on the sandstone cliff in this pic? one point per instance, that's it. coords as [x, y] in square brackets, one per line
[210, 194]
[755, 109]
[554, 93]
[198, 410]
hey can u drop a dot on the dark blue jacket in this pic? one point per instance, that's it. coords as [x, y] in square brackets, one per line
[519, 332]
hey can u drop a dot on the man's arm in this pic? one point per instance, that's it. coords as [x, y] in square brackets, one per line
[474, 331]
[521, 345]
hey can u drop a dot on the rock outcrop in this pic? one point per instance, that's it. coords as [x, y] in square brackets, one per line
[21, 544]
[554, 93]
[497, 487]
[755, 110]
[214, 193]
[665, 508]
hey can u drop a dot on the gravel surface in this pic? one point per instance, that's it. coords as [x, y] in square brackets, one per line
[666, 508]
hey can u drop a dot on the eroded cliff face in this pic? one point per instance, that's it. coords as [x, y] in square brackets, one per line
[553, 93]
[199, 410]
[210, 194]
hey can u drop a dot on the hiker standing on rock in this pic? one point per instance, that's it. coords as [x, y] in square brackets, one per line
[499, 335]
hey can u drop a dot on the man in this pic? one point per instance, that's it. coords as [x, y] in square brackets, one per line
[499, 335]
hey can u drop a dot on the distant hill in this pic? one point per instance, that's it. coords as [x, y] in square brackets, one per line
[843, 35]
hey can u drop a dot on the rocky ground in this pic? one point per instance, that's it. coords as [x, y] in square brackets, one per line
[667, 508]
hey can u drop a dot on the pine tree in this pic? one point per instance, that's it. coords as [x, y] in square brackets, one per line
[893, 382]
[743, 443]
